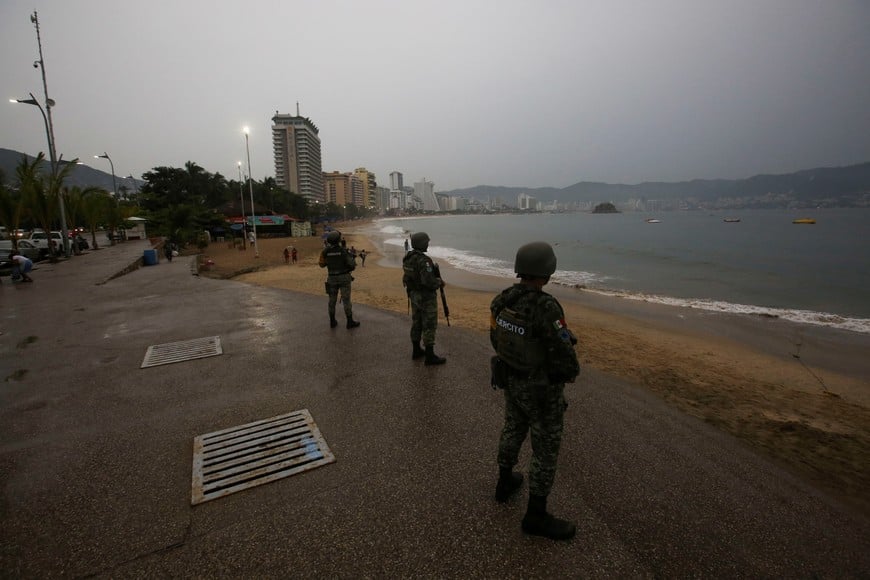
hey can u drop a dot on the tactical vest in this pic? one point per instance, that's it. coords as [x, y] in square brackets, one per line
[336, 261]
[516, 342]
[411, 277]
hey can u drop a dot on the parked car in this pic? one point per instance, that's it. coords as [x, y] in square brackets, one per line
[42, 240]
[27, 249]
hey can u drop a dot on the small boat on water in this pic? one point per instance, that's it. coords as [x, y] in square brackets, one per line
[804, 221]
[731, 220]
[653, 221]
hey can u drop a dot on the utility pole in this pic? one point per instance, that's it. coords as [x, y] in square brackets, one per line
[40, 64]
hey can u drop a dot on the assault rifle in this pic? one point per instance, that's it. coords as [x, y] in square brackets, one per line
[443, 297]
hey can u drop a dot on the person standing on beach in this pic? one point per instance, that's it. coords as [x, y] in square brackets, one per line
[287, 255]
[535, 358]
[422, 280]
[294, 254]
[362, 257]
[339, 264]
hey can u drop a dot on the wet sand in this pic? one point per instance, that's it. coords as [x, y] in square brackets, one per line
[799, 393]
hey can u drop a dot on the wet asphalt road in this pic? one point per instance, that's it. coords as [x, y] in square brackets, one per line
[96, 453]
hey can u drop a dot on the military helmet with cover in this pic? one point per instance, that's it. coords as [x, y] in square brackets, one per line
[333, 237]
[420, 241]
[535, 259]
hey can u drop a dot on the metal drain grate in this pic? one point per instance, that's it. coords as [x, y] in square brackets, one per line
[237, 458]
[173, 352]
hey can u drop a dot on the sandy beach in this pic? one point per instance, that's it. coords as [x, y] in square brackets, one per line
[798, 393]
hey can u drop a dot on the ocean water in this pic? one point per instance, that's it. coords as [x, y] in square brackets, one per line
[763, 264]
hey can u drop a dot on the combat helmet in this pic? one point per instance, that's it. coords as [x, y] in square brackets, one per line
[535, 259]
[333, 237]
[420, 241]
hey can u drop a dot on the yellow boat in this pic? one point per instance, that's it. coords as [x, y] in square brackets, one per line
[804, 221]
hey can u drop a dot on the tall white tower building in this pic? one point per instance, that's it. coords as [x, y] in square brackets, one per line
[296, 144]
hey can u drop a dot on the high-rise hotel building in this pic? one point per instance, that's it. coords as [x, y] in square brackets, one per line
[296, 143]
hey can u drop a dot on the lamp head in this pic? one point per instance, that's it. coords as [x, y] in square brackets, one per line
[25, 101]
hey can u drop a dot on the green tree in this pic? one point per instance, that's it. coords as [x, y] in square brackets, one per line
[42, 194]
[73, 198]
[181, 202]
[12, 208]
[93, 210]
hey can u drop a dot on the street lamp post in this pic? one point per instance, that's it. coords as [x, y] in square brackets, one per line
[242, 199]
[112, 165]
[32, 101]
[251, 189]
[34, 18]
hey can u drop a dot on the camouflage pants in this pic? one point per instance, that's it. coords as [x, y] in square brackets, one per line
[424, 317]
[540, 409]
[334, 285]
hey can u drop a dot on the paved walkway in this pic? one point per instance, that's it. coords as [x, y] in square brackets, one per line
[96, 453]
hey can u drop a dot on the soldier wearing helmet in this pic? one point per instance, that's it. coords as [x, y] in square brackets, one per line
[535, 358]
[339, 264]
[422, 280]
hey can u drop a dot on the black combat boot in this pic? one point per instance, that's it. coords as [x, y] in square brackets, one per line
[418, 350]
[351, 323]
[432, 358]
[539, 523]
[508, 483]
[332, 322]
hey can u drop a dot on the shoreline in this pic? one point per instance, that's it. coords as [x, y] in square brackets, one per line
[387, 235]
[799, 393]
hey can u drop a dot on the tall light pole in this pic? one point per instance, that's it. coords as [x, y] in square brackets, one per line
[242, 199]
[49, 132]
[32, 101]
[112, 165]
[251, 189]
[34, 18]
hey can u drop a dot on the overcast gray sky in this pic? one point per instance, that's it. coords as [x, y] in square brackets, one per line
[461, 92]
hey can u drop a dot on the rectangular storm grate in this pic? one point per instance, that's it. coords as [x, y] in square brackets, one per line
[237, 458]
[173, 352]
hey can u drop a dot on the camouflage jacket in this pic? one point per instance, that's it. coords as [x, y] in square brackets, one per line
[545, 331]
[419, 273]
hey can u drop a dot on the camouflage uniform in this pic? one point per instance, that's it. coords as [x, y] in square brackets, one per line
[534, 398]
[339, 264]
[422, 282]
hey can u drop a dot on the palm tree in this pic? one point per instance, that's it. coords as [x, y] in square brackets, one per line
[43, 193]
[11, 210]
[73, 197]
[93, 211]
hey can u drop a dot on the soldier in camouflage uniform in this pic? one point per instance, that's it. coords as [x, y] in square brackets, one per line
[422, 279]
[339, 264]
[535, 358]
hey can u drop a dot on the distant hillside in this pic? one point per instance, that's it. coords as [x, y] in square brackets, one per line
[844, 184]
[82, 175]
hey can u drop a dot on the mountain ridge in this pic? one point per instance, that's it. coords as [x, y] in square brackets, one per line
[846, 186]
